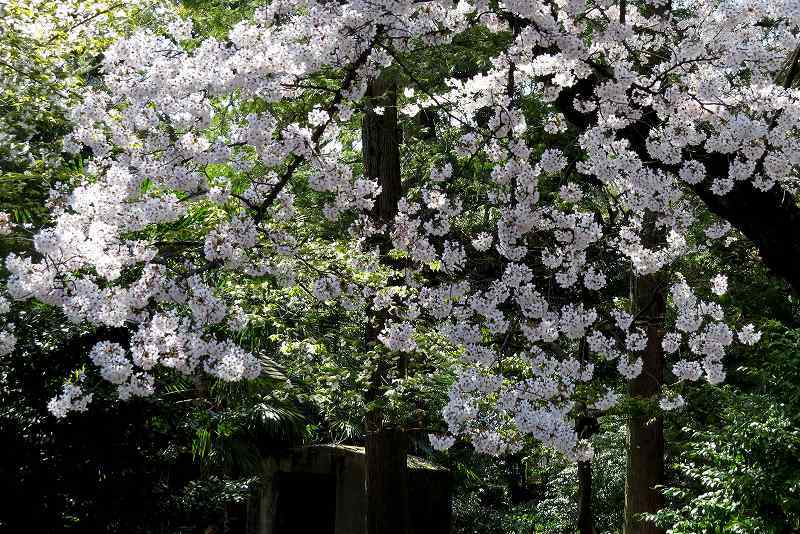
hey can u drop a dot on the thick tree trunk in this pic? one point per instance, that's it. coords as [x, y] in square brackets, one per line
[646, 433]
[387, 481]
[585, 513]
[387, 448]
[380, 142]
[586, 426]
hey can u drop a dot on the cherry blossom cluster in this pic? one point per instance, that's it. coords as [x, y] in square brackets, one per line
[7, 338]
[639, 132]
[6, 226]
[152, 127]
[72, 399]
[44, 47]
[623, 132]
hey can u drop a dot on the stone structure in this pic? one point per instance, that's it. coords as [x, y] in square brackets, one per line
[320, 489]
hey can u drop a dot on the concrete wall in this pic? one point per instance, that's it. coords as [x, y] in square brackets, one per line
[429, 489]
[351, 497]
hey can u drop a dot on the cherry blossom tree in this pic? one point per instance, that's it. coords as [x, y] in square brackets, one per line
[595, 127]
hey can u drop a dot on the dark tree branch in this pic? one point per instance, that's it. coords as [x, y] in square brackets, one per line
[770, 219]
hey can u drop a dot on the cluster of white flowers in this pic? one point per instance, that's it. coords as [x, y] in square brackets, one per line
[327, 287]
[398, 336]
[552, 161]
[555, 123]
[639, 133]
[671, 403]
[7, 338]
[113, 362]
[482, 242]
[570, 193]
[44, 47]
[71, 399]
[5, 223]
[230, 241]
[441, 443]
[629, 368]
[719, 284]
[607, 401]
[748, 335]
[715, 231]
[229, 362]
[686, 370]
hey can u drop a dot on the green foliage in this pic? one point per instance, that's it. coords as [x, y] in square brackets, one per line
[735, 453]
[538, 491]
[215, 17]
[740, 476]
[164, 464]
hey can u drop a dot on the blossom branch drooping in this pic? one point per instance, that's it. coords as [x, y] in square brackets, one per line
[633, 131]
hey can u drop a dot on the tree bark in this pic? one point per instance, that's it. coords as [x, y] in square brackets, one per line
[585, 426]
[645, 466]
[380, 144]
[770, 219]
[386, 447]
[387, 481]
[585, 512]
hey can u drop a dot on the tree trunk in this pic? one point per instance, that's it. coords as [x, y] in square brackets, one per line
[386, 448]
[380, 143]
[645, 433]
[586, 426]
[585, 513]
[387, 481]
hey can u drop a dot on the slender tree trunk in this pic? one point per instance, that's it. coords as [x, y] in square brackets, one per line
[387, 448]
[380, 141]
[586, 426]
[646, 433]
